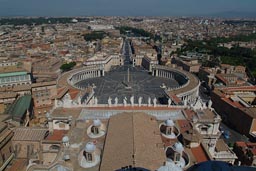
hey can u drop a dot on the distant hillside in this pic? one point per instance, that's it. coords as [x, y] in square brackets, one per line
[234, 14]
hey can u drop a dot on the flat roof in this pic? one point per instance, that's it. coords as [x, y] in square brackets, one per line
[11, 74]
[221, 146]
[251, 111]
[132, 139]
[43, 84]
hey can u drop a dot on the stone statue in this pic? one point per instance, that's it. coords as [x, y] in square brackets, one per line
[48, 115]
[132, 100]
[185, 102]
[95, 101]
[169, 102]
[79, 100]
[93, 86]
[140, 101]
[204, 105]
[154, 102]
[109, 101]
[116, 101]
[125, 101]
[210, 104]
[163, 86]
[149, 101]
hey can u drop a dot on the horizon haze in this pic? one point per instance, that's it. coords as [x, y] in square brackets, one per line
[207, 8]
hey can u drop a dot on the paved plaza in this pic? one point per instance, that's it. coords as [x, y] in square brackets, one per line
[141, 84]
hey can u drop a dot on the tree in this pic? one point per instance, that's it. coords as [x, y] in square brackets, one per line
[95, 35]
[135, 31]
[67, 66]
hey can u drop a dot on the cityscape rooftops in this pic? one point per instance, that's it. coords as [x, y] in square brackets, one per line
[206, 114]
[11, 69]
[42, 84]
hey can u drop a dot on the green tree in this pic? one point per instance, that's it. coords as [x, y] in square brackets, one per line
[67, 66]
[95, 35]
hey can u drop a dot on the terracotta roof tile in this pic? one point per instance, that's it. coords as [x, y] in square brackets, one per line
[199, 154]
[241, 144]
[57, 135]
[18, 165]
[184, 125]
[73, 93]
[137, 138]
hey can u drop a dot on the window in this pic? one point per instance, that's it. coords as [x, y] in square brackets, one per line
[62, 125]
[204, 129]
[89, 156]
[95, 130]
[177, 157]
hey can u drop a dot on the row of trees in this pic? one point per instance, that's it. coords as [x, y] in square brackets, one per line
[241, 38]
[135, 31]
[131, 31]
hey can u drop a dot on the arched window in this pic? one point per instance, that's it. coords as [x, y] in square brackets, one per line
[95, 130]
[89, 157]
[54, 147]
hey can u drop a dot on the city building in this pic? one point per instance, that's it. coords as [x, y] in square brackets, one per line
[235, 104]
[46, 69]
[14, 78]
[6, 150]
[246, 153]
[26, 142]
[42, 95]
[225, 75]
[188, 64]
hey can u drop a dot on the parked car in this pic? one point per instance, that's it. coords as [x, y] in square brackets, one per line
[226, 134]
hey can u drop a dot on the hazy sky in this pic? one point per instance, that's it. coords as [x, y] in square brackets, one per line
[125, 7]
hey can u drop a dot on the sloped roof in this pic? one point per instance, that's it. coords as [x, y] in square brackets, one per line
[133, 139]
[19, 107]
[29, 134]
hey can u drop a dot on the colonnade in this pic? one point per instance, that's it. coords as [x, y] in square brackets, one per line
[163, 73]
[83, 75]
[188, 91]
[190, 96]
